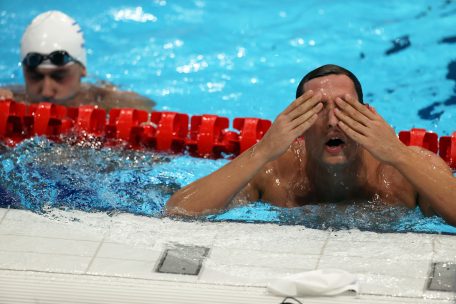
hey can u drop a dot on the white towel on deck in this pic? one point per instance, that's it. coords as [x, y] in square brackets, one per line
[321, 282]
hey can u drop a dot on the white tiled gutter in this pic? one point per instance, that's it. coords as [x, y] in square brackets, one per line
[76, 257]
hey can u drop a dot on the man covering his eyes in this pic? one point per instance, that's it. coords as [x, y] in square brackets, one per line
[327, 146]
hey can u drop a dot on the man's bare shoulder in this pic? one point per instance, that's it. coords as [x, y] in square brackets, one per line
[109, 96]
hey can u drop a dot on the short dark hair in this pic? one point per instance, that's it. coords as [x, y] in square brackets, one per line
[329, 69]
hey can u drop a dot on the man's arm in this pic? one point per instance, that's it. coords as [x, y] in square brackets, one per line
[428, 174]
[215, 191]
[433, 180]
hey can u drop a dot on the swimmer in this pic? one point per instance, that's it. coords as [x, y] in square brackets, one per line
[327, 146]
[53, 58]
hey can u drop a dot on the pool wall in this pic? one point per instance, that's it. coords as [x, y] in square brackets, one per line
[77, 257]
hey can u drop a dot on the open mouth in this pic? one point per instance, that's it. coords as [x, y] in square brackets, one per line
[334, 145]
[334, 142]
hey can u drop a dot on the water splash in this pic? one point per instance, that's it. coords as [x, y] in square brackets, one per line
[44, 176]
[39, 174]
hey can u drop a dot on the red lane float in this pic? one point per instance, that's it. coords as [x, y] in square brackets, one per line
[206, 136]
[420, 138]
[12, 121]
[251, 130]
[447, 149]
[89, 120]
[209, 137]
[126, 125]
[166, 131]
[49, 119]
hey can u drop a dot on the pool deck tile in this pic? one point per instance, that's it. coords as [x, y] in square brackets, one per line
[380, 249]
[243, 275]
[133, 269]
[126, 251]
[128, 246]
[444, 249]
[289, 242]
[3, 213]
[20, 222]
[259, 258]
[122, 267]
[418, 269]
[43, 262]
[432, 294]
[158, 231]
[17, 243]
[377, 284]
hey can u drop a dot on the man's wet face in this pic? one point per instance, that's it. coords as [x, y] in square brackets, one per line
[56, 85]
[325, 141]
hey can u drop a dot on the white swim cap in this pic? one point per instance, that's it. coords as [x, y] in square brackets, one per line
[53, 31]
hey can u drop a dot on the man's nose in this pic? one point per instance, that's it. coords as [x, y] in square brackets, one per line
[332, 119]
[48, 89]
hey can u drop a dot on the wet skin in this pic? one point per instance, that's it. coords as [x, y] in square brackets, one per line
[326, 147]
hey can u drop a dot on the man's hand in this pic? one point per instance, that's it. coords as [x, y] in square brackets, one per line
[6, 94]
[299, 116]
[365, 126]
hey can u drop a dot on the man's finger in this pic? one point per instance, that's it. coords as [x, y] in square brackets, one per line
[358, 106]
[358, 137]
[298, 101]
[306, 106]
[307, 115]
[352, 123]
[354, 113]
[305, 126]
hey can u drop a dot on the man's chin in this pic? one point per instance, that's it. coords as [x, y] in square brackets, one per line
[59, 101]
[339, 160]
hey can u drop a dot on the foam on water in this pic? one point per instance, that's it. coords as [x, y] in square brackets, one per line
[41, 175]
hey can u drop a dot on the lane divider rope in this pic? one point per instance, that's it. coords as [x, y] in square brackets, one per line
[204, 135]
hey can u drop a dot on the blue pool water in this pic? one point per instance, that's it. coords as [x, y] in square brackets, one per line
[234, 59]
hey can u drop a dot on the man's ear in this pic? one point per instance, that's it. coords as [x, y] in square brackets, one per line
[83, 71]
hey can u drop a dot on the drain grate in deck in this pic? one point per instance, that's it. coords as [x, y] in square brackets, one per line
[181, 259]
[443, 277]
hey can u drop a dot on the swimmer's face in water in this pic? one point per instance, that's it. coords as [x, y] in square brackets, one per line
[325, 141]
[56, 85]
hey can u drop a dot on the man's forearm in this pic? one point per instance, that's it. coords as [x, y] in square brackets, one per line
[431, 178]
[215, 191]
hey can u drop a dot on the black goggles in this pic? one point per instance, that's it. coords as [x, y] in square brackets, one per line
[58, 58]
